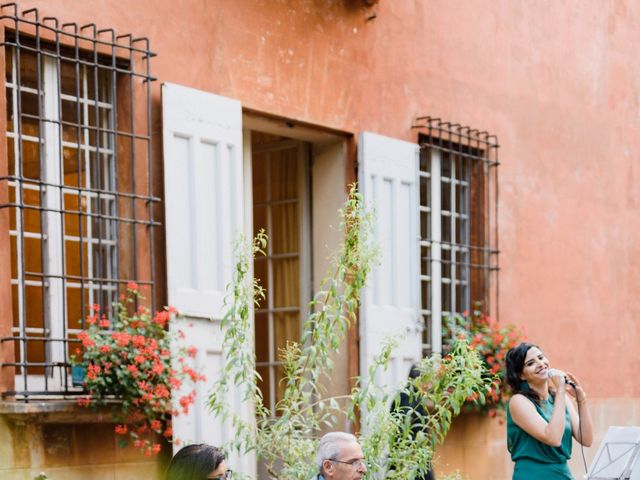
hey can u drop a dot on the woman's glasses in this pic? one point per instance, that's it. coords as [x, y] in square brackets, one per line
[225, 476]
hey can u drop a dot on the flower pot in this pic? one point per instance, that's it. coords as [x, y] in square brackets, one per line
[78, 375]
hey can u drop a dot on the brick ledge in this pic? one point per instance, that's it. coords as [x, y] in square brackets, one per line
[57, 411]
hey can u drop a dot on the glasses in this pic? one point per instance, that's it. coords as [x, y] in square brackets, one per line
[225, 476]
[356, 462]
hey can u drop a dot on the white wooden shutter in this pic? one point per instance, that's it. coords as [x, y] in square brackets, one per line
[202, 136]
[388, 180]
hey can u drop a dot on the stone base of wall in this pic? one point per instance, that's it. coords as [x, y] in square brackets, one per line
[71, 451]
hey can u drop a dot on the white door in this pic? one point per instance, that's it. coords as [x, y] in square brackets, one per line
[388, 180]
[203, 179]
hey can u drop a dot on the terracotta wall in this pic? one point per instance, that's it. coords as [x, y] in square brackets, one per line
[558, 82]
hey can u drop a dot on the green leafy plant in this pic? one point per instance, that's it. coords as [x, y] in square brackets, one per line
[129, 359]
[492, 340]
[399, 443]
[286, 439]
[286, 436]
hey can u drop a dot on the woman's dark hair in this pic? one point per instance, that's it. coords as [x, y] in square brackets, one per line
[515, 364]
[194, 462]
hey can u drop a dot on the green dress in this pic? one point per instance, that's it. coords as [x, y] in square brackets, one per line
[533, 459]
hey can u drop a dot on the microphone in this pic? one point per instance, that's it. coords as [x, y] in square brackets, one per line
[552, 372]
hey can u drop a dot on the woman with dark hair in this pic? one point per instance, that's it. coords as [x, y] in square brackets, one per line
[198, 462]
[540, 419]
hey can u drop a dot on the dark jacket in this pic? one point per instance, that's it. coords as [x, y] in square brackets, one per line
[412, 403]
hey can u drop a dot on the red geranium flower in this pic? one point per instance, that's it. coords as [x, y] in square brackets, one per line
[131, 360]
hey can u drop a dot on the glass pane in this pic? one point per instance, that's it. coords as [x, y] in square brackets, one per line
[9, 96]
[462, 205]
[30, 153]
[461, 231]
[260, 219]
[425, 160]
[425, 191]
[280, 384]
[463, 269]
[461, 298]
[35, 354]
[105, 81]
[286, 282]
[29, 104]
[262, 337]
[32, 255]
[445, 195]
[425, 291]
[445, 164]
[425, 261]
[8, 65]
[32, 217]
[74, 308]
[89, 86]
[286, 328]
[11, 157]
[259, 176]
[285, 229]
[446, 262]
[14, 304]
[14, 256]
[426, 333]
[425, 225]
[462, 170]
[28, 70]
[260, 270]
[263, 384]
[445, 226]
[446, 297]
[70, 80]
[73, 167]
[284, 174]
[33, 303]
[70, 111]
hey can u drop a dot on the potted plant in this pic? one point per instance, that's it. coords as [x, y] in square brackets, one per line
[130, 356]
[492, 340]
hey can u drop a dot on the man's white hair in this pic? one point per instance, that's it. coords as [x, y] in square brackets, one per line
[330, 445]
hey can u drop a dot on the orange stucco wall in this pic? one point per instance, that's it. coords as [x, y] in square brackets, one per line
[558, 82]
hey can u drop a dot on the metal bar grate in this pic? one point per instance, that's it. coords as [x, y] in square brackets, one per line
[79, 186]
[458, 224]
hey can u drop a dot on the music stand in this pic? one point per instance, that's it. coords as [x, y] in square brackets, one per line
[618, 457]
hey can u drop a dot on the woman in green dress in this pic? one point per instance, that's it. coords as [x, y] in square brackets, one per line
[540, 418]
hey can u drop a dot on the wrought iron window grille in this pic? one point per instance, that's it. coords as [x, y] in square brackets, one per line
[459, 260]
[76, 187]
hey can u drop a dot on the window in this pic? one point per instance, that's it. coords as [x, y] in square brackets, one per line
[279, 207]
[458, 228]
[78, 187]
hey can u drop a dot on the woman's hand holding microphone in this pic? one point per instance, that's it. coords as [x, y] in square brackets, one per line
[560, 379]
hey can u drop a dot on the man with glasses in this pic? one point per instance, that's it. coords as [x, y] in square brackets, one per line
[340, 457]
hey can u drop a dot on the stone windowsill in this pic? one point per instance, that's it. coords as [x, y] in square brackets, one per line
[56, 411]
